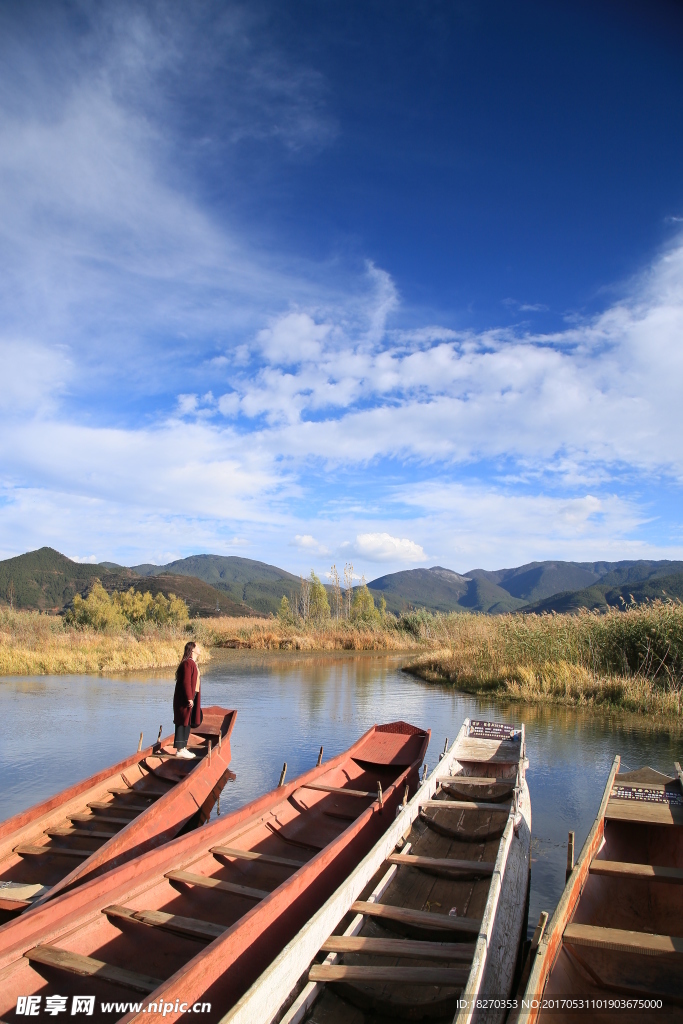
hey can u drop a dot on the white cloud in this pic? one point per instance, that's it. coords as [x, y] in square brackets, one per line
[382, 547]
[305, 542]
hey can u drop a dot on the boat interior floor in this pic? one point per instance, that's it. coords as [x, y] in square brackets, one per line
[413, 952]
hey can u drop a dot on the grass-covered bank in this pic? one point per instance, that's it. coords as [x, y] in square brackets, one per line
[33, 644]
[630, 660]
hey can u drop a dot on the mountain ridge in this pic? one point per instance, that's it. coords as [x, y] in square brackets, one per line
[47, 580]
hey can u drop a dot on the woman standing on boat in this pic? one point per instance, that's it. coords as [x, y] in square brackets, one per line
[186, 699]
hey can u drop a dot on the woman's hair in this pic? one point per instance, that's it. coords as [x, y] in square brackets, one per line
[187, 653]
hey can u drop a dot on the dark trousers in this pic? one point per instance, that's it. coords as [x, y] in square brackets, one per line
[182, 735]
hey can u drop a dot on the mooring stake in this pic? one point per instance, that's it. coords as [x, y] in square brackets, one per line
[424, 771]
[445, 748]
[140, 743]
[320, 758]
[282, 774]
[159, 736]
[570, 856]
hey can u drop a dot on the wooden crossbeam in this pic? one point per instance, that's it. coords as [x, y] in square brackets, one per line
[445, 864]
[418, 918]
[153, 794]
[190, 926]
[97, 820]
[265, 858]
[78, 833]
[206, 882]
[454, 977]
[338, 789]
[100, 805]
[623, 941]
[48, 851]
[474, 780]
[464, 805]
[409, 948]
[648, 872]
[87, 967]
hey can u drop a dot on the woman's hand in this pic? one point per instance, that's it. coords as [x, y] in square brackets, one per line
[191, 704]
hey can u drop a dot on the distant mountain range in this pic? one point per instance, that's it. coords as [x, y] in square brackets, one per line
[228, 585]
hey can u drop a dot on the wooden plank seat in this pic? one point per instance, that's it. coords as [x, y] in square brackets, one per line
[77, 833]
[266, 858]
[463, 805]
[648, 872]
[320, 788]
[475, 780]
[409, 948]
[152, 794]
[454, 977]
[644, 812]
[445, 866]
[190, 926]
[103, 805]
[88, 967]
[417, 918]
[205, 882]
[621, 940]
[49, 851]
[98, 819]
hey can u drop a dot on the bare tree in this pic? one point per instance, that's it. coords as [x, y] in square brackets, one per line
[304, 599]
[336, 592]
[348, 585]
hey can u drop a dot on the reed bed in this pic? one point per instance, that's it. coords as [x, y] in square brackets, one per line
[273, 635]
[32, 644]
[630, 660]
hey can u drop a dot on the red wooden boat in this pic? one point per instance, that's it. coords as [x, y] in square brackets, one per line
[198, 920]
[113, 816]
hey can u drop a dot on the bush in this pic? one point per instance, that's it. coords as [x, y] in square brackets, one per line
[108, 614]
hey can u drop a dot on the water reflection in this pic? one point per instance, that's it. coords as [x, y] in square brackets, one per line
[56, 730]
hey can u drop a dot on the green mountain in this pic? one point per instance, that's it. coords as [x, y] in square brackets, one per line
[246, 581]
[47, 581]
[603, 596]
[536, 586]
[440, 590]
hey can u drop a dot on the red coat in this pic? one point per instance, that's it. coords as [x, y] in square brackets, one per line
[185, 691]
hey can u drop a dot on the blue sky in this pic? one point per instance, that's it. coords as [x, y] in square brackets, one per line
[392, 283]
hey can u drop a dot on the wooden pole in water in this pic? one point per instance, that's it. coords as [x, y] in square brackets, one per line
[424, 771]
[320, 758]
[140, 743]
[282, 774]
[445, 748]
[159, 736]
[570, 856]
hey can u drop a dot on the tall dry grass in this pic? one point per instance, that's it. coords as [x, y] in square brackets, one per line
[273, 635]
[632, 660]
[32, 644]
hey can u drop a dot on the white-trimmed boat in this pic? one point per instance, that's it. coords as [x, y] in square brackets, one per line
[432, 919]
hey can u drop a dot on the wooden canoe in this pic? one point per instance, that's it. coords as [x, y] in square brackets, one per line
[202, 917]
[426, 919]
[112, 817]
[616, 937]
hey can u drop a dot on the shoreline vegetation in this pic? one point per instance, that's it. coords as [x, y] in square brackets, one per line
[629, 660]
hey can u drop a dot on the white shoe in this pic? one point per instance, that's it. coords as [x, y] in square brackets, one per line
[187, 754]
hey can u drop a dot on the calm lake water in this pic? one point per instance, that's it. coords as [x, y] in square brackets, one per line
[58, 729]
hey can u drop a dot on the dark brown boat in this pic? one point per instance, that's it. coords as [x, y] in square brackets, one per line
[614, 947]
